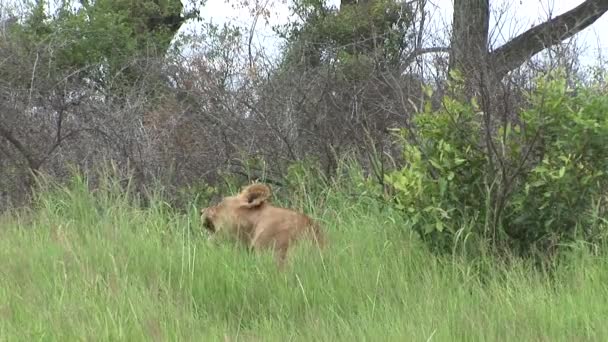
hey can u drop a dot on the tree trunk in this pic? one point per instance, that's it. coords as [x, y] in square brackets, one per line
[470, 35]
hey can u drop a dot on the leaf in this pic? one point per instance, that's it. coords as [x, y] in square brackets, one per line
[429, 228]
[508, 129]
[435, 164]
[450, 175]
[443, 186]
[562, 171]
[537, 183]
[459, 161]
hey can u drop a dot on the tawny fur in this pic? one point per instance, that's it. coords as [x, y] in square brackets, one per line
[250, 218]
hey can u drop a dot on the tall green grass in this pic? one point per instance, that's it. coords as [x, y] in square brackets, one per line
[91, 265]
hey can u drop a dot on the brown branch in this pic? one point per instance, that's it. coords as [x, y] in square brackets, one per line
[56, 144]
[8, 135]
[521, 48]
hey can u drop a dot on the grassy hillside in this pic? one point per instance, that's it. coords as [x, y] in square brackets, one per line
[91, 266]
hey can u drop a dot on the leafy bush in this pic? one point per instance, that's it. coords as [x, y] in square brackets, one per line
[558, 192]
[356, 39]
[101, 38]
[523, 185]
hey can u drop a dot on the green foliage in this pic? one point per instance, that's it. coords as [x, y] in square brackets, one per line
[199, 195]
[305, 177]
[558, 192]
[441, 187]
[358, 38]
[101, 38]
[524, 186]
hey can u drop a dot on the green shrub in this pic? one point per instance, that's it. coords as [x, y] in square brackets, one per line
[557, 193]
[523, 185]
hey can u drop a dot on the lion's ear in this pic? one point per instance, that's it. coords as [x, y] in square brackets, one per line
[255, 195]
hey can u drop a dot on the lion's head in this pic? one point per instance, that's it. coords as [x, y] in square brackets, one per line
[235, 210]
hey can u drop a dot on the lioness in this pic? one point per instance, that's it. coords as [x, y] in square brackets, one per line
[250, 218]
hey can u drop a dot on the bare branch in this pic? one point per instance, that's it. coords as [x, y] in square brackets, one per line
[6, 134]
[518, 50]
[418, 52]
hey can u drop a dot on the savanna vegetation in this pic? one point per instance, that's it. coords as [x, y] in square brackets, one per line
[462, 189]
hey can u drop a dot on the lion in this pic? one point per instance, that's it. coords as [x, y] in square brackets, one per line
[250, 218]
